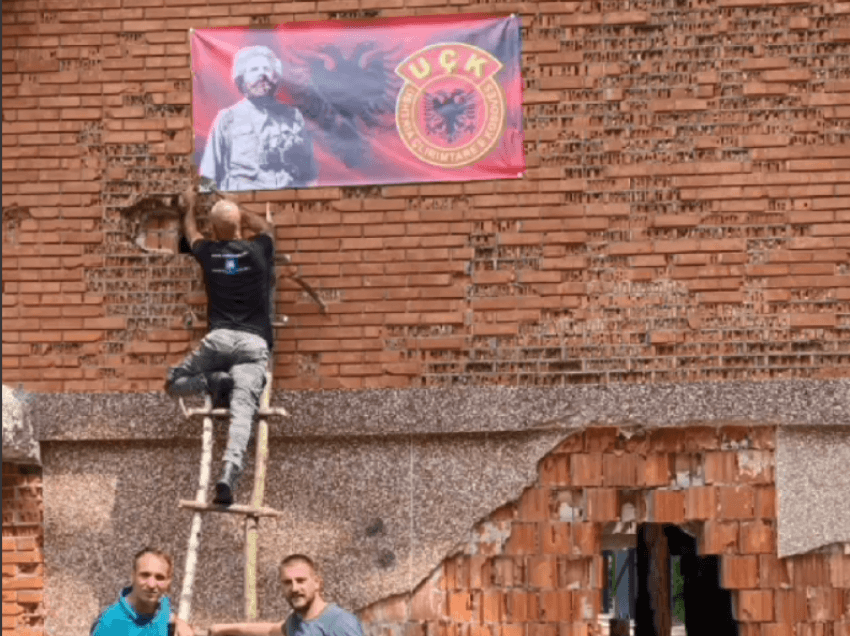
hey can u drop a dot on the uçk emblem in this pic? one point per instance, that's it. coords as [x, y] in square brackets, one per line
[450, 112]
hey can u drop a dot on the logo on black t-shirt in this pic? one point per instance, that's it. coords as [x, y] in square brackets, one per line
[230, 266]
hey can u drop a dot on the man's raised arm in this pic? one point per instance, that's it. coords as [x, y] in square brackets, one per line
[190, 225]
[256, 224]
[246, 629]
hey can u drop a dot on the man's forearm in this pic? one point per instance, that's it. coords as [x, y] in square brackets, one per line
[244, 629]
[190, 225]
[255, 223]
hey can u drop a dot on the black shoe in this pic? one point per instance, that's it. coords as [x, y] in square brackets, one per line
[224, 486]
[220, 385]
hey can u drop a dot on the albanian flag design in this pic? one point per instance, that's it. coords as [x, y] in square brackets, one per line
[361, 102]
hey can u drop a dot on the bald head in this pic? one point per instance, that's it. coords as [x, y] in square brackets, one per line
[226, 220]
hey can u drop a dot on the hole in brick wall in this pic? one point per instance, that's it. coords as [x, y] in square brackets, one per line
[13, 216]
[153, 224]
[353, 15]
[649, 566]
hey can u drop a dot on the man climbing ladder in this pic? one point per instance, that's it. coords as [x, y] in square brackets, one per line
[230, 363]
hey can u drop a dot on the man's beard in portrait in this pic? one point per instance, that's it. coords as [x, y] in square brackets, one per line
[263, 87]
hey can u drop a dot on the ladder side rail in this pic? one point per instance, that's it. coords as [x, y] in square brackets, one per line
[187, 591]
[252, 522]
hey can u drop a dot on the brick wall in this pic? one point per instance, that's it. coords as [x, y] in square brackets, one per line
[23, 569]
[686, 214]
[535, 568]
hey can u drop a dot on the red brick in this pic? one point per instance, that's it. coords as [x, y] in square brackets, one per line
[534, 504]
[701, 502]
[622, 469]
[460, 606]
[521, 607]
[790, 606]
[736, 502]
[757, 537]
[492, 604]
[720, 537]
[507, 572]
[600, 440]
[774, 572]
[721, 467]
[586, 538]
[658, 469]
[602, 504]
[586, 604]
[666, 506]
[523, 539]
[556, 605]
[777, 629]
[555, 470]
[586, 469]
[543, 571]
[839, 569]
[555, 537]
[739, 572]
[765, 502]
[824, 604]
[755, 606]
[763, 437]
[810, 570]
[504, 629]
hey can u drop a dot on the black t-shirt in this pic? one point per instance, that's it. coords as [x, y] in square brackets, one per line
[238, 275]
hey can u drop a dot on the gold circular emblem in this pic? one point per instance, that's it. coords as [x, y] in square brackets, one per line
[450, 112]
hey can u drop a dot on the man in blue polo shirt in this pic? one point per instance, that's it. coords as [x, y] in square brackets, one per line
[143, 609]
[311, 615]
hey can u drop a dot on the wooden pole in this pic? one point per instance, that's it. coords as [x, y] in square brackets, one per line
[252, 522]
[185, 606]
[653, 565]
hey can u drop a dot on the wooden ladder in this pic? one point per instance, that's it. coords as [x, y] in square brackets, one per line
[252, 512]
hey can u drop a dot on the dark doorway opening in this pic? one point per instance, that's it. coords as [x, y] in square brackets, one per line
[663, 587]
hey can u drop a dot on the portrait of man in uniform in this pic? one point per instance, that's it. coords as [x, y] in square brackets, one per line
[259, 143]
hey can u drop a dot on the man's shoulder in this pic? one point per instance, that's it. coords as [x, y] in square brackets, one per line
[339, 618]
[200, 246]
[227, 116]
[108, 618]
[260, 244]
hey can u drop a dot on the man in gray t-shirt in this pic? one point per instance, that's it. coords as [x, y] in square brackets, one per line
[311, 615]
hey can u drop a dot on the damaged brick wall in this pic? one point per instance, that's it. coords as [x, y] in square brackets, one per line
[23, 563]
[685, 217]
[535, 567]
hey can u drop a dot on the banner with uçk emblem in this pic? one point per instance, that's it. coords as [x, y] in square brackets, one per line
[339, 103]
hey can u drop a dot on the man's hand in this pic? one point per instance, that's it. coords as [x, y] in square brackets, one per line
[246, 629]
[190, 195]
[253, 224]
[182, 628]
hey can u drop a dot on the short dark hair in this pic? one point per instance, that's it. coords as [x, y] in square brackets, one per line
[299, 558]
[156, 552]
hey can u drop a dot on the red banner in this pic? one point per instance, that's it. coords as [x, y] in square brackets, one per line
[435, 98]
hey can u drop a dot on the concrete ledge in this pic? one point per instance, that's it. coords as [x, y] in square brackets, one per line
[382, 412]
[813, 481]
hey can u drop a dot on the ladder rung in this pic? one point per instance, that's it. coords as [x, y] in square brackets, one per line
[238, 509]
[274, 412]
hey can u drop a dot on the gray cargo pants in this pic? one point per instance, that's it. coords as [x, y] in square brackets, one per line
[244, 355]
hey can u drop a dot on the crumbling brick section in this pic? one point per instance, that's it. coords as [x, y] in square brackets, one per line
[685, 215]
[23, 563]
[534, 567]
